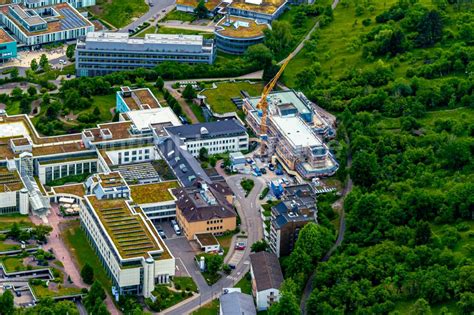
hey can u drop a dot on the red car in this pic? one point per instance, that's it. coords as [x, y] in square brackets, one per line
[240, 246]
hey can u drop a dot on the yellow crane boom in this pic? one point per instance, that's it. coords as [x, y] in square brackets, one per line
[263, 103]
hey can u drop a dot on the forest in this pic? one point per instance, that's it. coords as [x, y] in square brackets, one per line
[399, 76]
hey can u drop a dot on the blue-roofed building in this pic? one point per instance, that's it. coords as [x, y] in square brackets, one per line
[43, 25]
[289, 216]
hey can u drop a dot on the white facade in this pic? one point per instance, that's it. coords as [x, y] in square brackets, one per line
[14, 202]
[133, 275]
[265, 298]
[218, 145]
[133, 155]
[160, 210]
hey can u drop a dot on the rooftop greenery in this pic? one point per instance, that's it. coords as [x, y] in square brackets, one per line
[155, 192]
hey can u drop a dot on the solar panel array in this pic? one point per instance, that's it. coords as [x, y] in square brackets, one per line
[71, 20]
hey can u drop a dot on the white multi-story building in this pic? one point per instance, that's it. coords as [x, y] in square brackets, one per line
[217, 137]
[41, 3]
[267, 278]
[37, 26]
[127, 243]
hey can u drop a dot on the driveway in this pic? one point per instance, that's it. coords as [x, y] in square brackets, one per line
[248, 209]
[156, 8]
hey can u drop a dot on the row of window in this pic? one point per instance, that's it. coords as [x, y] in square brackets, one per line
[213, 228]
[124, 58]
[60, 171]
[215, 221]
[207, 143]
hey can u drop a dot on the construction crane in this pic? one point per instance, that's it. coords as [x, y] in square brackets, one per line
[263, 103]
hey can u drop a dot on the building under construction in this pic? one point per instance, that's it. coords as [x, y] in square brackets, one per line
[295, 133]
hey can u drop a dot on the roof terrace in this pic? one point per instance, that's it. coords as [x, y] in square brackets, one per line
[153, 193]
[9, 181]
[131, 235]
[265, 7]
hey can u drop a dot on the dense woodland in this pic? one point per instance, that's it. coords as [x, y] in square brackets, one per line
[403, 92]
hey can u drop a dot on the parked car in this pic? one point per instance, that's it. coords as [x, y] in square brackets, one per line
[162, 233]
[240, 246]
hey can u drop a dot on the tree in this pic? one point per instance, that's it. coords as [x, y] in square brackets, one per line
[430, 29]
[466, 303]
[203, 154]
[189, 93]
[46, 99]
[96, 113]
[94, 299]
[315, 240]
[6, 303]
[70, 50]
[287, 304]
[201, 11]
[44, 62]
[32, 91]
[279, 38]
[421, 307]
[40, 232]
[14, 73]
[160, 83]
[214, 263]
[87, 274]
[259, 246]
[260, 54]
[422, 233]
[364, 170]
[15, 231]
[17, 93]
[25, 106]
[34, 65]
[270, 71]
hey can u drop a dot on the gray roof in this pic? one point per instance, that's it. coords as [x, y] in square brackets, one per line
[206, 130]
[266, 270]
[237, 303]
[185, 166]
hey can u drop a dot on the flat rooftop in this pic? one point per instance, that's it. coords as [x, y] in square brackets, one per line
[283, 97]
[296, 131]
[5, 37]
[68, 19]
[213, 129]
[142, 119]
[9, 181]
[239, 27]
[207, 239]
[265, 7]
[153, 193]
[73, 189]
[129, 232]
[109, 37]
[140, 99]
[210, 4]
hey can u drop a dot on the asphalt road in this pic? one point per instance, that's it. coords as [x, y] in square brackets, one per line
[248, 209]
[156, 8]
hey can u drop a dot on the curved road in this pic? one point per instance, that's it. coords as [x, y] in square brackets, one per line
[248, 209]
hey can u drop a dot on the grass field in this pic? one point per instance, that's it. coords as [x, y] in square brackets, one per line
[171, 30]
[148, 30]
[220, 98]
[119, 13]
[42, 292]
[75, 238]
[338, 43]
[185, 283]
[244, 284]
[179, 16]
[13, 108]
[208, 309]
[7, 220]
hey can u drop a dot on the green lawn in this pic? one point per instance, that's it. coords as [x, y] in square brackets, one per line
[7, 220]
[185, 283]
[44, 292]
[211, 308]
[171, 30]
[179, 16]
[119, 13]
[220, 98]
[105, 103]
[244, 284]
[338, 43]
[76, 240]
[196, 109]
[148, 30]
[13, 108]
[13, 263]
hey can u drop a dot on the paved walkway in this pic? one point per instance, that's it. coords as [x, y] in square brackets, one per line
[62, 252]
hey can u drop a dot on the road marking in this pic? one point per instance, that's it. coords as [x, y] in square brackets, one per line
[177, 267]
